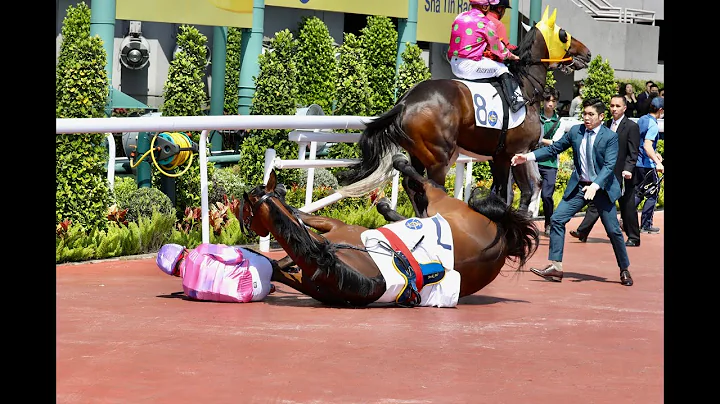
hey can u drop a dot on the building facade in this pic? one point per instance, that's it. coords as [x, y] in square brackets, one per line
[632, 48]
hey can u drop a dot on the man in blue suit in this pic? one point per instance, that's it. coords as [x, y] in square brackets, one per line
[595, 150]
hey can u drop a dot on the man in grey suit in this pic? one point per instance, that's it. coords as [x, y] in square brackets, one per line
[628, 133]
[595, 150]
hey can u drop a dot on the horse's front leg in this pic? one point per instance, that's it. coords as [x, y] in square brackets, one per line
[527, 177]
[500, 168]
[384, 208]
[320, 223]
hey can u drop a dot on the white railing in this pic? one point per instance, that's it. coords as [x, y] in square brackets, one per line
[463, 172]
[601, 10]
[310, 138]
[204, 124]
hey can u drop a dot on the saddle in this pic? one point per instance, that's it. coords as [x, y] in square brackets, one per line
[505, 85]
[416, 275]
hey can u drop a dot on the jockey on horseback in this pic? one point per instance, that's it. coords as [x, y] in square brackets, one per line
[478, 46]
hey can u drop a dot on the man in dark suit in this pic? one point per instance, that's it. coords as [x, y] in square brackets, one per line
[595, 150]
[643, 104]
[645, 94]
[628, 133]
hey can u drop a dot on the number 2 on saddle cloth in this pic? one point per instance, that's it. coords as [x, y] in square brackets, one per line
[416, 275]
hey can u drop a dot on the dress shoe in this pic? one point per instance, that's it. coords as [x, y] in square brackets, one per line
[650, 230]
[547, 231]
[632, 243]
[625, 278]
[579, 236]
[550, 273]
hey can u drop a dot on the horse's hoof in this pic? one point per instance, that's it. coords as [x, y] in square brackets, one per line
[399, 160]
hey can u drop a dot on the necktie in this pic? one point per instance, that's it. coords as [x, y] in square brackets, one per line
[614, 126]
[588, 155]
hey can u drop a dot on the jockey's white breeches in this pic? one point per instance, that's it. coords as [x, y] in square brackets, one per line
[476, 69]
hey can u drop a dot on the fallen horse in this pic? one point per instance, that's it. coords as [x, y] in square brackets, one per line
[451, 250]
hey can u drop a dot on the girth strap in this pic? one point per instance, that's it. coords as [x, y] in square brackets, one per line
[398, 245]
[506, 115]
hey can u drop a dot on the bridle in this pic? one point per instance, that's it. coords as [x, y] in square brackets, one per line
[246, 223]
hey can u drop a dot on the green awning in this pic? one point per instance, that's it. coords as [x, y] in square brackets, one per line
[118, 99]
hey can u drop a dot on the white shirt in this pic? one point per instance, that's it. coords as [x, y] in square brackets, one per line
[616, 123]
[583, 162]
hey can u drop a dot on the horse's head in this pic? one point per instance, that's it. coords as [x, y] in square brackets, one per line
[253, 206]
[564, 51]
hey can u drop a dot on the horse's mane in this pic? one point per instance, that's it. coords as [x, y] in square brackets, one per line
[524, 52]
[323, 252]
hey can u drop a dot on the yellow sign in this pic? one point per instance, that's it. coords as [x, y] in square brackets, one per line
[196, 12]
[236, 6]
[436, 16]
[389, 8]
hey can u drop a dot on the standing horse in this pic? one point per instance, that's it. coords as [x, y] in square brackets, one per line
[335, 267]
[436, 120]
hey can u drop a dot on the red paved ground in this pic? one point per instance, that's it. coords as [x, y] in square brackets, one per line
[121, 338]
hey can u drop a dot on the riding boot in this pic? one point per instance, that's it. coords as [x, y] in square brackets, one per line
[508, 86]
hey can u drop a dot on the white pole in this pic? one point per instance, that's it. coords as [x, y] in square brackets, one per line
[269, 164]
[459, 174]
[111, 161]
[204, 187]
[395, 183]
[321, 203]
[310, 181]
[468, 181]
[198, 123]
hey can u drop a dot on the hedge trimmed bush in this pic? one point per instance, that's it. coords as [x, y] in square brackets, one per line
[379, 40]
[144, 201]
[184, 95]
[412, 70]
[316, 64]
[276, 92]
[81, 91]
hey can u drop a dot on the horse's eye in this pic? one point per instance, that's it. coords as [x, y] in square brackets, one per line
[563, 35]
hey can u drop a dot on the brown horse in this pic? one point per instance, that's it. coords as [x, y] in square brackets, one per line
[435, 120]
[334, 267]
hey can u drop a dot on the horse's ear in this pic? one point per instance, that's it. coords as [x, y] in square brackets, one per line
[545, 13]
[270, 186]
[551, 21]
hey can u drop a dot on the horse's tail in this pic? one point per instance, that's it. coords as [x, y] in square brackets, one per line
[518, 231]
[378, 143]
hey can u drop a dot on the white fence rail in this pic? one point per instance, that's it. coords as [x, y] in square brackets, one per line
[305, 138]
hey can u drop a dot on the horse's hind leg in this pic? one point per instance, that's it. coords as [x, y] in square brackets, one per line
[383, 207]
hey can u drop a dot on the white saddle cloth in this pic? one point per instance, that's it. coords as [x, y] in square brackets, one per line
[488, 106]
[436, 246]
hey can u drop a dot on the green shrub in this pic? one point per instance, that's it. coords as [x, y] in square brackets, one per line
[321, 178]
[81, 91]
[123, 190]
[412, 70]
[600, 81]
[379, 39]
[232, 71]
[276, 92]
[225, 181]
[354, 95]
[144, 201]
[184, 95]
[316, 64]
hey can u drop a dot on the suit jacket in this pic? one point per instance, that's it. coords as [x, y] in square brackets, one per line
[605, 154]
[628, 133]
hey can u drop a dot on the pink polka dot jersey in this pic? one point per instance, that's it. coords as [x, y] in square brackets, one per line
[474, 36]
